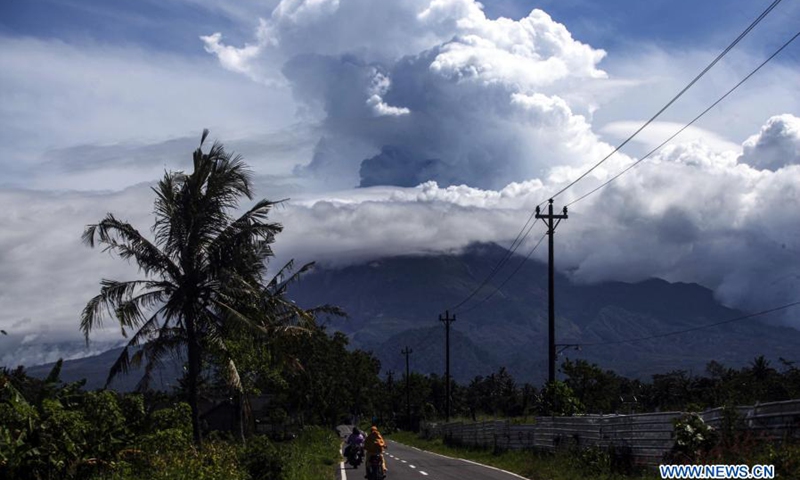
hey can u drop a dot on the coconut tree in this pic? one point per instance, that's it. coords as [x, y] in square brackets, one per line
[204, 273]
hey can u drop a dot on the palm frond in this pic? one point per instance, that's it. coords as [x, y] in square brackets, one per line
[112, 293]
[244, 233]
[124, 360]
[169, 340]
[273, 284]
[123, 239]
[233, 314]
[232, 378]
[280, 288]
[130, 311]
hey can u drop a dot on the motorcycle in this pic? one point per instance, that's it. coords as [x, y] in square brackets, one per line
[355, 455]
[375, 468]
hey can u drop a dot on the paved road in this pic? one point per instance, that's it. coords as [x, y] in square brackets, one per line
[407, 463]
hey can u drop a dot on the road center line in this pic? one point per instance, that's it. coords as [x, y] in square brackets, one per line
[424, 473]
[412, 466]
[466, 461]
[403, 461]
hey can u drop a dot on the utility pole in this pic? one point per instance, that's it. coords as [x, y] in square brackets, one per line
[390, 388]
[551, 313]
[407, 352]
[447, 321]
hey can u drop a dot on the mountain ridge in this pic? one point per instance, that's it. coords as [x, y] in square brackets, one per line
[394, 302]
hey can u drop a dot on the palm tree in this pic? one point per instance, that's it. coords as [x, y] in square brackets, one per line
[204, 273]
[760, 368]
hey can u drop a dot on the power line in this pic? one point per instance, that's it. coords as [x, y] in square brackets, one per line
[500, 264]
[660, 146]
[693, 329]
[499, 287]
[675, 98]
[520, 237]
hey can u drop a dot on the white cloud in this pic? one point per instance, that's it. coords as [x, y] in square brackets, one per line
[58, 95]
[657, 132]
[48, 275]
[304, 11]
[380, 85]
[777, 145]
[654, 75]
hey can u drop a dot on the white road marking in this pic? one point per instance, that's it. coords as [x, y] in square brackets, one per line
[466, 461]
[342, 469]
[412, 466]
[403, 461]
[424, 473]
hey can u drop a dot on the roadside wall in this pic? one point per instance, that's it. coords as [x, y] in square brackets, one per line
[648, 437]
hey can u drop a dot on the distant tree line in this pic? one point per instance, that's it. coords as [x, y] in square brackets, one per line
[587, 388]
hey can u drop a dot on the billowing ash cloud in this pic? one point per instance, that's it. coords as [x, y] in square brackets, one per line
[485, 108]
[440, 93]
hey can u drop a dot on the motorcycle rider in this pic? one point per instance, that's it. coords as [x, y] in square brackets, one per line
[374, 444]
[354, 440]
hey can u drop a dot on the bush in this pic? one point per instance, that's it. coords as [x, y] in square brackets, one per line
[693, 438]
[558, 399]
[262, 459]
[217, 461]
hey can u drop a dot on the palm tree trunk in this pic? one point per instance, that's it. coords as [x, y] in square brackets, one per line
[194, 374]
[240, 417]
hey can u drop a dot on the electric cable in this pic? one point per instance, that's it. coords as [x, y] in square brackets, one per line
[675, 98]
[693, 329]
[506, 256]
[499, 287]
[660, 146]
[518, 240]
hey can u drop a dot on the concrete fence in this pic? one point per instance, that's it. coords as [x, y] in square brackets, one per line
[647, 437]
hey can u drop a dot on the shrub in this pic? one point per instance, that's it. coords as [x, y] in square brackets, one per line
[693, 438]
[262, 460]
[558, 399]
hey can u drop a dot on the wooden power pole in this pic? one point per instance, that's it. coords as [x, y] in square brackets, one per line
[407, 352]
[447, 321]
[549, 218]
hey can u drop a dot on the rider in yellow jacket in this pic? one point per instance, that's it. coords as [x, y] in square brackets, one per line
[374, 444]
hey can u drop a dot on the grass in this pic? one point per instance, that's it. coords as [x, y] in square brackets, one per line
[314, 455]
[592, 465]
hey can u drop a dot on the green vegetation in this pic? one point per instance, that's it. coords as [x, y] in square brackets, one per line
[64, 433]
[586, 388]
[696, 442]
[567, 465]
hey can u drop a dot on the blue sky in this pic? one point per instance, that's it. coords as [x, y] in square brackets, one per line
[457, 121]
[171, 26]
[175, 25]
